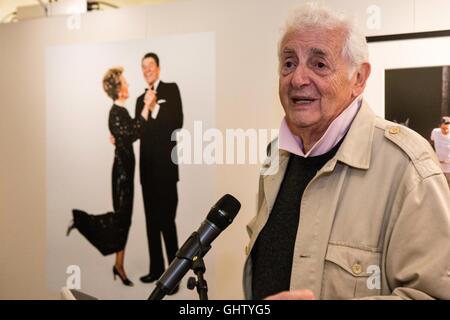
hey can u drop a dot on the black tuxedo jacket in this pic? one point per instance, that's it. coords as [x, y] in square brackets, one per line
[156, 144]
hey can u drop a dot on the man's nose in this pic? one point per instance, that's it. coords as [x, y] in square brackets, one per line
[300, 77]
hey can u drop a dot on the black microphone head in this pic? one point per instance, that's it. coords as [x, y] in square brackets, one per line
[224, 211]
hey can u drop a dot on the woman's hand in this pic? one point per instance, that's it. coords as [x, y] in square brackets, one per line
[112, 139]
[150, 100]
[149, 103]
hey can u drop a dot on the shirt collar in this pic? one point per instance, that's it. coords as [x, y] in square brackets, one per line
[156, 84]
[334, 133]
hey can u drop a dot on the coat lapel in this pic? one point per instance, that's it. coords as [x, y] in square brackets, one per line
[272, 174]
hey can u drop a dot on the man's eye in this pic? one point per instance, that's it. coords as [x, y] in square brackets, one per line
[321, 65]
[289, 64]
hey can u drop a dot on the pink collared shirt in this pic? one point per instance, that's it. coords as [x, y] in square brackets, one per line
[336, 131]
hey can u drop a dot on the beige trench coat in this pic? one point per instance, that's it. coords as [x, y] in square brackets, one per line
[374, 221]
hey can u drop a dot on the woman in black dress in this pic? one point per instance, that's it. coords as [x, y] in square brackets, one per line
[109, 232]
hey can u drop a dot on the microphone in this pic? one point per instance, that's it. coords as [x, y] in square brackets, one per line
[197, 245]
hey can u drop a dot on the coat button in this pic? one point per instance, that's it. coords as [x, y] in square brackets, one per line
[357, 268]
[394, 130]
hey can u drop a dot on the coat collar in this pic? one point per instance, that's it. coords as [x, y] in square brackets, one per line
[356, 149]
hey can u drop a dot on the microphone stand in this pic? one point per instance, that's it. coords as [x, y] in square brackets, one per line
[196, 264]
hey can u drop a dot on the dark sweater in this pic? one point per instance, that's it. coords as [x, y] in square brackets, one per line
[274, 248]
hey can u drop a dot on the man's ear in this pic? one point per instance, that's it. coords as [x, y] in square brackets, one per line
[362, 74]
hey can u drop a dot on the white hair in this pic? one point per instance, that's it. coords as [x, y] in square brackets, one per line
[355, 48]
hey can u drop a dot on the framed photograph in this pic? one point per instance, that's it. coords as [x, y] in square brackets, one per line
[409, 82]
[89, 177]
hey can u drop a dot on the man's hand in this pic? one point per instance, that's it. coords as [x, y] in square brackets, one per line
[112, 140]
[150, 100]
[293, 295]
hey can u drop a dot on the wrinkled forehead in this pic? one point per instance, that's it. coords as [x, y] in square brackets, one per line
[314, 41]
[311, 51]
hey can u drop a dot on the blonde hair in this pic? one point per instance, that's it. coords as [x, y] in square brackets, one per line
[112, 82]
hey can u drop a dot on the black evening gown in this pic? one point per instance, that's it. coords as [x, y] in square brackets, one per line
[108, 232]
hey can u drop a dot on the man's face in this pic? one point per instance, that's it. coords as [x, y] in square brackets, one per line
[314, 84]
[150, 70]
[444, 129]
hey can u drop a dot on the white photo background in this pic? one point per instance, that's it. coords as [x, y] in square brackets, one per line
[406, 81]
[80, 156]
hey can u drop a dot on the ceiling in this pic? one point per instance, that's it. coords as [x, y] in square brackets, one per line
[9, 6]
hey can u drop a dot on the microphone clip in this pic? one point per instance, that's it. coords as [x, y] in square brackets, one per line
[185, 252]
[198, 266]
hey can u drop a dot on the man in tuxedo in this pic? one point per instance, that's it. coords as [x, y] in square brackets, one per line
[158, 172]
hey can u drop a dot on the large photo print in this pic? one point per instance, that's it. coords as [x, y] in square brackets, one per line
[409, 78]
[118, 203]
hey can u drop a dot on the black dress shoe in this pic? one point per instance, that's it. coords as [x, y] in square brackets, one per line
[149, 278]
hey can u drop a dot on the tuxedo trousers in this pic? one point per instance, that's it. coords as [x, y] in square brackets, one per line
[160, 205]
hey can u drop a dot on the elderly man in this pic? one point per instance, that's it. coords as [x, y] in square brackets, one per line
[359, 207]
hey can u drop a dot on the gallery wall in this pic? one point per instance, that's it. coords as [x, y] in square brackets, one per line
[246, 35]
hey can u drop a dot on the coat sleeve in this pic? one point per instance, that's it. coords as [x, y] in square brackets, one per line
[172, 111]
[417, 262]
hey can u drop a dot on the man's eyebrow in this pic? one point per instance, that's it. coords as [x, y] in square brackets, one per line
[288, 51]
[318, 52]
[312, 51]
